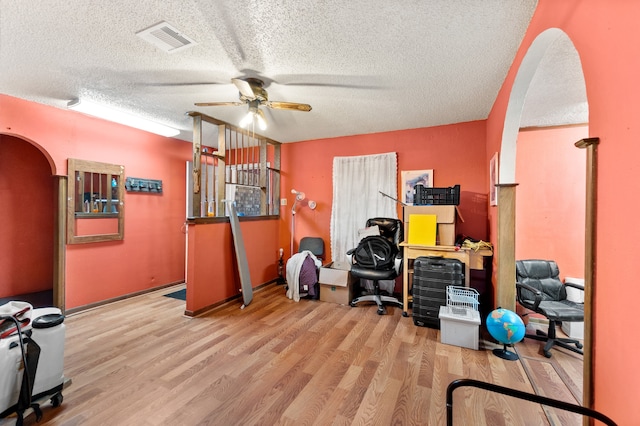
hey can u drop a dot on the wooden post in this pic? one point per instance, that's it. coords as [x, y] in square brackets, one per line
[591, 145]
[196, 204]
[60, 231]
[264, 203]
[221, 177]
[506, 285]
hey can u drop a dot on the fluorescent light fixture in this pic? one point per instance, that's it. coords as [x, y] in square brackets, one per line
[107, 113]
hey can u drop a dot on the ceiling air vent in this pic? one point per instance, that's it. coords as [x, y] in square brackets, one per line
[166, 37]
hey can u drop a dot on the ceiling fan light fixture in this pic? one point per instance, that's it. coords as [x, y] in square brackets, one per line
[244, 123]
[262, 123]
[254, 115]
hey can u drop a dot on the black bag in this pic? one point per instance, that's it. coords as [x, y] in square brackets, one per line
[375, 252]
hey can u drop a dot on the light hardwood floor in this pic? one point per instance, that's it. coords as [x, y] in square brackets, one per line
[277, 362]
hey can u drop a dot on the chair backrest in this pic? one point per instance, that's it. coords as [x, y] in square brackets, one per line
[314, 244]
[543, 275]
[390, 228]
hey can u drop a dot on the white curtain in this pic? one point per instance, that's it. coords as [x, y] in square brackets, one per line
[357, 183]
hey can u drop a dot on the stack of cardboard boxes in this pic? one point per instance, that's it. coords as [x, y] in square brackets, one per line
[446, 219]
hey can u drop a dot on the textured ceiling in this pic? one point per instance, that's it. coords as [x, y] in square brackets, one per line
[364, 66]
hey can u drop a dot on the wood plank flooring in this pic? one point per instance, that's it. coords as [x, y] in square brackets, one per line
[277, 362]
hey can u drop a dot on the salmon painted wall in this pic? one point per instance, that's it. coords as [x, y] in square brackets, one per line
[606, 35]
[153, 249]
[26, 231]
[212, 271]
[456, 153]
[550, 201]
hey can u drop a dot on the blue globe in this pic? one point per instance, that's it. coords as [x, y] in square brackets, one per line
[505, 326]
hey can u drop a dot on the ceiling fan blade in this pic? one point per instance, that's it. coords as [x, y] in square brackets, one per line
[219, 103]
[244, 87]
[287, 105]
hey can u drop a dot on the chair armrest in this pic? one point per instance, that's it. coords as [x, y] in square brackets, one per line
[397, 264]
[575, 285]
[536, 293]
[350, 257]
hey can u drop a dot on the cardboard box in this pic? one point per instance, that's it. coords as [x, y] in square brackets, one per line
[446, 218]
[336, 285]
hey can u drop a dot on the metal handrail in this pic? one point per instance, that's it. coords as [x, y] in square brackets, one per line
[521, 395]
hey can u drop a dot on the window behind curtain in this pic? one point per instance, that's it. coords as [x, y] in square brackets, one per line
[357, 183]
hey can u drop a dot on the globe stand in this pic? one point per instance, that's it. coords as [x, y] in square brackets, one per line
[505, 354]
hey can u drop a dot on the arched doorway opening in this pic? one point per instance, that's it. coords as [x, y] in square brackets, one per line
[552, 52]
[31, 242]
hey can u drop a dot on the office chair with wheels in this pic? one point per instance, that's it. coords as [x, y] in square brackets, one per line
[379, 260]
[538, 288]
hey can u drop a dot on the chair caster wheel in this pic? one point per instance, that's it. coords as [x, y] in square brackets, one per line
[579, 345]
[353, 305]
[547, 354]
[381, 311]
[56, 400]
[405, 314]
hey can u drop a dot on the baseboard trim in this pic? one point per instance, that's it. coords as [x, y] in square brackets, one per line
[542, 321]
[209, 308]
[119, 298]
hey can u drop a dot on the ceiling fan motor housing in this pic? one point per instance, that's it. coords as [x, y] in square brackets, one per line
[258, 91]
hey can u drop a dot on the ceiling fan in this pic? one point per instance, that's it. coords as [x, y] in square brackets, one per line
[253, 94]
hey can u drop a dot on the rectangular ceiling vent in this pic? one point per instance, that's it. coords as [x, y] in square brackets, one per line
[166, 37]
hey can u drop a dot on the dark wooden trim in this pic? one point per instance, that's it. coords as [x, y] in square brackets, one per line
[225, 219]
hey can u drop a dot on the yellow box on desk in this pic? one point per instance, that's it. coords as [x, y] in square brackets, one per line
[446, 218]
[336, 283]
[422, 230]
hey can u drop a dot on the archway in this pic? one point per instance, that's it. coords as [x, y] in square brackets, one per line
[550, 49]
[32, 242]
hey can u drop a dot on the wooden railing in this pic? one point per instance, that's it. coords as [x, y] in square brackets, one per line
[232, 163]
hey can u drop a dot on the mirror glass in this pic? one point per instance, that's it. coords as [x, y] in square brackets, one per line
[95, 205]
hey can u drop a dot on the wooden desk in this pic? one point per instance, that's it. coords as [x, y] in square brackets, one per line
[472, 260]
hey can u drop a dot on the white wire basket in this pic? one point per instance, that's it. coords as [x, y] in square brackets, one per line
[461, 299]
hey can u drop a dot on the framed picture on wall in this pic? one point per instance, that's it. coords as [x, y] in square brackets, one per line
[493, 180]
[411, 178]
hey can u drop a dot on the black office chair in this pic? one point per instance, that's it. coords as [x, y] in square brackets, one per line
[538, 287]
[392, 231]
[314, 244]
[309, 272]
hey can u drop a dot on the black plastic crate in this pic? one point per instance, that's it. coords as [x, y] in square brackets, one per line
[423, 196]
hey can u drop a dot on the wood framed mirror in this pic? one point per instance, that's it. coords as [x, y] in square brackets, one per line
[95, 202]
